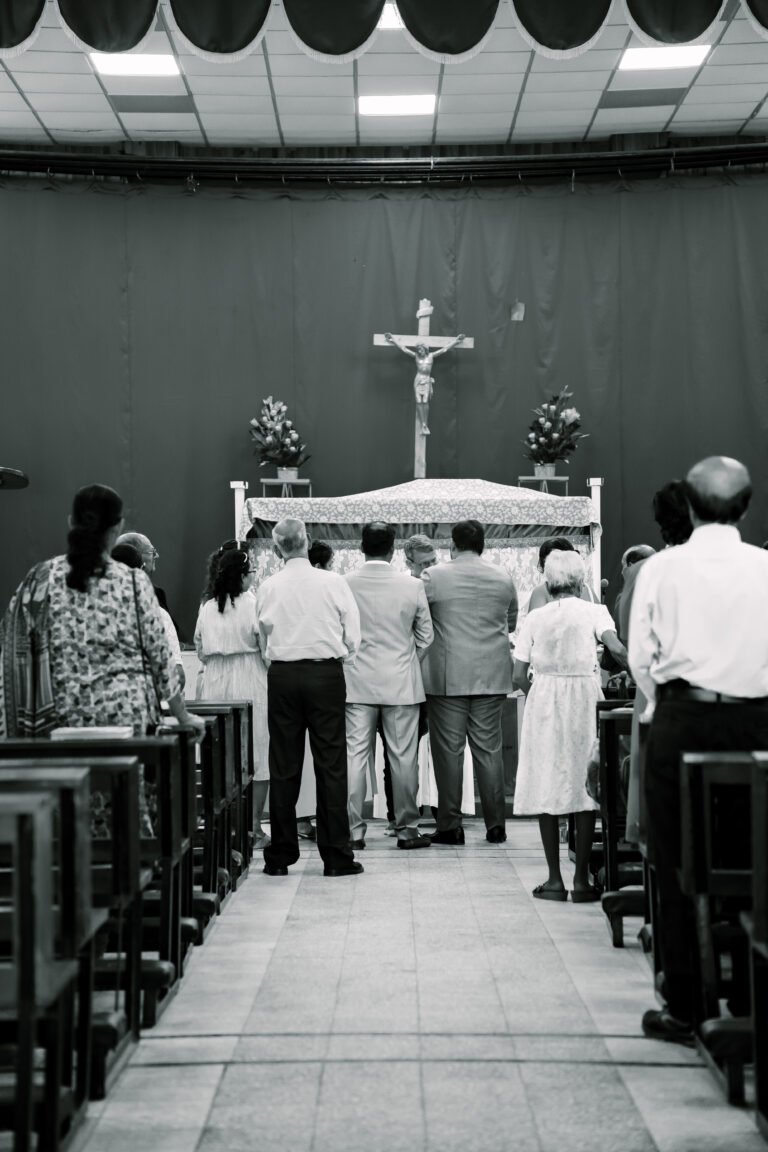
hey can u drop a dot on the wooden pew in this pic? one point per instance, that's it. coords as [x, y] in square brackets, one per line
[624, 894]
[34, 984]
[716, 874]
[755, 923]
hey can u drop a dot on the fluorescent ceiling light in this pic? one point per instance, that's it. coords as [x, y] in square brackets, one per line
[390, 17]
[396, 105]
[677, 56]
[135, 63]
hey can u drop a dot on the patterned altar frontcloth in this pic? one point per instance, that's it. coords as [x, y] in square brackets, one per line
[517, 521]
[432, 502]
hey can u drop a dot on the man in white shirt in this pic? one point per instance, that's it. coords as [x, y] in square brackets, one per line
[698, 649]
[385, 682]
[309, 627]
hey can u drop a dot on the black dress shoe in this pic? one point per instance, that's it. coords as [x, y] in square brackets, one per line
[659, 1025]
[416, 842]
[275, 870]
[496, 835]
[357, 844]
[353, 869]
[452, 836]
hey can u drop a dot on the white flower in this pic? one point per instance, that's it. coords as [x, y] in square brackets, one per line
[531, 435]
[570, 416]
[547, 425]
[542, 420]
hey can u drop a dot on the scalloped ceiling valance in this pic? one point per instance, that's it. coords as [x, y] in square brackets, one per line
[342, 29]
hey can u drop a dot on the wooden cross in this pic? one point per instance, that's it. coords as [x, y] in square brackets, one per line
[423, 382]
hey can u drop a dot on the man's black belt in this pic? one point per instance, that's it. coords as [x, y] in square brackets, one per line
[682, 690]
[311, 660]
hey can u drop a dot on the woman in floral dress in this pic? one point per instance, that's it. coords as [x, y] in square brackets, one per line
[82, 641]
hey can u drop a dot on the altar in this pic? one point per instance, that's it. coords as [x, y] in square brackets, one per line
[516, 521]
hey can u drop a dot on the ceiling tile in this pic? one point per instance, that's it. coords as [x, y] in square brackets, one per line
[715, 112]
[561, 119]
[652, 78]
[553, 101]
[728, 54]
[494, 123]
[532, 135]
[632, 119]
[739, 31]
[69, 102]
[389, 40]
[23, 134]
[478, 104]
[476, 85]
[153, 105]
[145, 85]
[13, 102]
[397, 85]
[302, 65]
[56, 82]
[17, 118]
[232, 123]
[33, 61]
[497, 63]
[747, 74]
[136, 121]
[313, 85]
[413, 64]
[241, 105]
[229, 85]
[83, 120]
[612, 36]
[505, 40]
[55, 40]
[6, 84]
[88, 135]
[156, 42]
[723, 93]
[324, 125]
[592, 61]
[707, 128]
[281, 43]
[322, 105]
[567, 82]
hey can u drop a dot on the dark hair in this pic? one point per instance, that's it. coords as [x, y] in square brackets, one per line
[556, 544]
[378, 539]
[718, 509]
[127, 554]
[469, 536]
[320, 554]
[670, 511]
[230, 576]
[95, 510]
[635, 555]
[213, 567]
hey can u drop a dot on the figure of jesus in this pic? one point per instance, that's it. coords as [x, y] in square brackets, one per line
[423, 382]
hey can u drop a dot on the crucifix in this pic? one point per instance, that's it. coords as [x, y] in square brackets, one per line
[418, 348]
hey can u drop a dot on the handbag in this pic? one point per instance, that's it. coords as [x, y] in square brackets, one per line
[145, 665]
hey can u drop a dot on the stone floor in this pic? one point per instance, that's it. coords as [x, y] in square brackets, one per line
[429, 1004]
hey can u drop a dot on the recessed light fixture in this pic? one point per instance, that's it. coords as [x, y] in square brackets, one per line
[135, 63]
[676, 56]
[390, 17]
[396, 105]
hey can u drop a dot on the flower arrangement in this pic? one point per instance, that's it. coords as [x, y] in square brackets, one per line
[554, 433]
[276, 439]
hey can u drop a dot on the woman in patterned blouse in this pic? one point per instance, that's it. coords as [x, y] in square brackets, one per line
[82, 642]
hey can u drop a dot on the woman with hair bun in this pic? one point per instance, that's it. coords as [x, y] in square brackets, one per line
[82, 642]
[227, 643]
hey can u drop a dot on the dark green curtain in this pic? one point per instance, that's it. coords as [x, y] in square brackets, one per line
[140, 331]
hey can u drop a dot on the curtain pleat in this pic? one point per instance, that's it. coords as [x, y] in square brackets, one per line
[220, 27]
[448, 27]
[18, 22]
[110, 25]
[559, 25]
[673, 21]
[333, 27]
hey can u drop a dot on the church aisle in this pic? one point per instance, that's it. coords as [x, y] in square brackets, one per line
[430, 1005]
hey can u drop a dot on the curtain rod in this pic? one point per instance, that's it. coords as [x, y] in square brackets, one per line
[454, 170]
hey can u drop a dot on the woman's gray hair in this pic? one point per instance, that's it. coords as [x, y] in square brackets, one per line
[290, 536]
[564, 572]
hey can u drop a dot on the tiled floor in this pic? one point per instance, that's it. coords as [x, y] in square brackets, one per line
[429, 1004]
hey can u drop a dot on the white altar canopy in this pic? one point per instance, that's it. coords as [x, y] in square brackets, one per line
[516, 522]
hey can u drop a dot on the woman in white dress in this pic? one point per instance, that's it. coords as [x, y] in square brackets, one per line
[559, 642]
[227, 643]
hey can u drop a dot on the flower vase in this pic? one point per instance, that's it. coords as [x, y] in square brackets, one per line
[287, 474]
[544, 471]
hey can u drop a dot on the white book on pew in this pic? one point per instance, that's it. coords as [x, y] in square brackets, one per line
[105, 732]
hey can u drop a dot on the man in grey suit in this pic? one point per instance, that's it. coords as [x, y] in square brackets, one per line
[467, 674]
[386, 680]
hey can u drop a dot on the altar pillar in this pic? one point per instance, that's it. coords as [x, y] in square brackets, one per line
[595, 485]
[240, 487]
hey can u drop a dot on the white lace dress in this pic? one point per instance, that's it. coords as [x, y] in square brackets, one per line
[559, 641]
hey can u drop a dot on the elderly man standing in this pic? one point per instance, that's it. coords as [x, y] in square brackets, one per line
[467, 674]
[309, 627]
[698, 648]
[385, 682]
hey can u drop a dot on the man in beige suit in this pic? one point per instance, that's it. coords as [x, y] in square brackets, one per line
[467, 674]
[386, 680]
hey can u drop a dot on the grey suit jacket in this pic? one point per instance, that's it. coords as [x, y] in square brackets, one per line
[395, 626]
[474, 607]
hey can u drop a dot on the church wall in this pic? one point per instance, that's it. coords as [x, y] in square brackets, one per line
[140, 330]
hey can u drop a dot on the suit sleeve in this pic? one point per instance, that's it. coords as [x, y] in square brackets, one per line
[350, 621]
[642, 642]
[423, 633]
[512, 609]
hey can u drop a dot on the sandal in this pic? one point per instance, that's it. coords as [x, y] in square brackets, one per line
[585, 895]
[541, 892]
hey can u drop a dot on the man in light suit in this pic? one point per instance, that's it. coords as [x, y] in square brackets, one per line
[385, 681]
[467, 674]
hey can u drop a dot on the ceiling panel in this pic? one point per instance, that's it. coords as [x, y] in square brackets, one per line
[551, 99]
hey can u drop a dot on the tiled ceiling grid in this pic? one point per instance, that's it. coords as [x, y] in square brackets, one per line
[278, 97]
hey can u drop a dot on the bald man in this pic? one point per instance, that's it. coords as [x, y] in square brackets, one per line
[698, 649]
